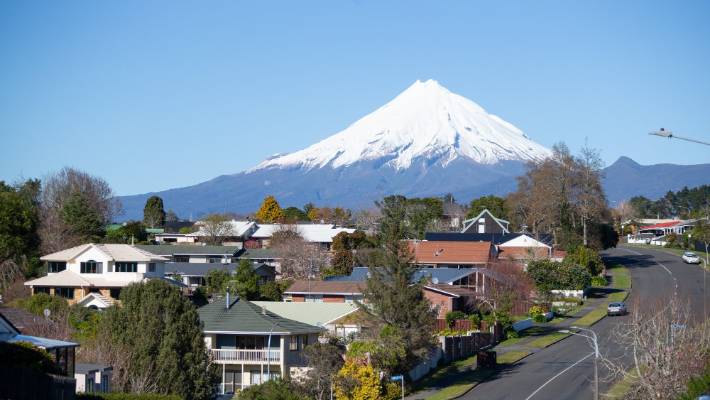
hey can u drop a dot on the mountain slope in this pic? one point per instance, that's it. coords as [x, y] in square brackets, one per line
[627, 178]
[426, 141]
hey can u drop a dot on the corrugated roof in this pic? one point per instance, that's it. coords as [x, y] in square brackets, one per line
[84, 368]
[258, 253]
[246, 317]
[453, 291]
[41, 342]
[202, 269]
[317, 233]
[326, 287]
[442, 275]
[236, 228]
[188, 249]
[317, 314]
[445, 252]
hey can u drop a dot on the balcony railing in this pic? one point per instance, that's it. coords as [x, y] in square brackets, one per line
[246, 356]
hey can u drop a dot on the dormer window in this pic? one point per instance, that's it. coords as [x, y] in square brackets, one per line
[56, 266]
[90, 267]
[126, 267]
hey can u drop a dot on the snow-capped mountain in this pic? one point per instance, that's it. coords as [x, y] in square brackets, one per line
[427, 141]
[426, 121]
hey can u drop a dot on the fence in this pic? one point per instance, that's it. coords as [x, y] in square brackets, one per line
[19, 383]
[459, 325]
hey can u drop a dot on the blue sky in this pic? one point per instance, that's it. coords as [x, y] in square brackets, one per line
[159, 94]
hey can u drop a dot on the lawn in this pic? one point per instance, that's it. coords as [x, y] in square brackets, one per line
[547, 340]
[620, 388]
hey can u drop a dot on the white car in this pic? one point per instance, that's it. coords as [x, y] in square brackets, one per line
[690, 258]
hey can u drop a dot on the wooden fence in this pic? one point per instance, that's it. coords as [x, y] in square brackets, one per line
[19, 383]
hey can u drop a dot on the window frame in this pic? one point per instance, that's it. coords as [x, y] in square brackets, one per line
[125, 266]
[151, 267]
[84, 267]
[293, 343]
[69, 292]
[56, 266]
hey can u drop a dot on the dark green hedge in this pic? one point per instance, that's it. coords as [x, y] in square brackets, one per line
[126, 396]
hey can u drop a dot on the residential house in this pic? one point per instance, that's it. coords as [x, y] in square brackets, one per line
[194, 274]
[175, 238]
[235, 234]
[62, 352]
[325, 291]
[340, 319]
[321, 234]
[448, 298]
[451, 254]
[520, 247]
[186, 253]
[252, 344]
[93, 378]
[93, 274]
[485, 222]
[260, 256]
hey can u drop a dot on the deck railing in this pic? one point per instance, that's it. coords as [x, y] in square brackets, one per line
[246, 356]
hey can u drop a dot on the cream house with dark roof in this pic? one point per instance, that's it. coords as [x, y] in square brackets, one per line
[93, 274]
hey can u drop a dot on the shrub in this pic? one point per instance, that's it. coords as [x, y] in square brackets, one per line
[126, 396]
[452, 316]
[537, 313]
[276, 389]
[587, 258]
[37, 303]
[475, 320]
[599, 281]
[26, 355]
[511, 334]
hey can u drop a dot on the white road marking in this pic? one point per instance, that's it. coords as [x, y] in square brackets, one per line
[560, 373]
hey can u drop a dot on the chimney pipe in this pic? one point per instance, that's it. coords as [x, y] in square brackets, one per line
[226, 306]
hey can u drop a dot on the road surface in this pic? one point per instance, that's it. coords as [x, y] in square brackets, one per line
[566, 369]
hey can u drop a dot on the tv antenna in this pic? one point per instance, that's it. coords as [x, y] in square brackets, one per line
[668, 134]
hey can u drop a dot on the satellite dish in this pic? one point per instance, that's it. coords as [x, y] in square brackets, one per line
[47, 313]
[435, 280]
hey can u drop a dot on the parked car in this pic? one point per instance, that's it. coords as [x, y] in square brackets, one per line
[690, 258]
[616, 309]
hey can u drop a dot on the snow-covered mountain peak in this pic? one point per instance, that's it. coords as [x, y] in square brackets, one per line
[425, 122]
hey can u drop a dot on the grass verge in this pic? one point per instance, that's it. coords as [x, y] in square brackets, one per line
[620, 279]
[619, 390]
[547, 340]
[512, 357]
[461, 386]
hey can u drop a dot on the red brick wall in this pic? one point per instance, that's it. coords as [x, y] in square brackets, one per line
[333, 299]
[443, 302]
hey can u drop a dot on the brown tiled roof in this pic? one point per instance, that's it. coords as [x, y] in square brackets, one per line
[450, 252]
[522, 253]
[454, 290]
[24, 321]
[326, 287]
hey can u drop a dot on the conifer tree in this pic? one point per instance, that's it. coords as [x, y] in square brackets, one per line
[153, 212]
[270, 210]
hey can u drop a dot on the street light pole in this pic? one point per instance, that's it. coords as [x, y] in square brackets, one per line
[593, 338]
[668, 134]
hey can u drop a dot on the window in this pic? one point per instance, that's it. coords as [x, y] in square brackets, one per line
[481, 228]
[304, 342]
[56, 266]
[104, 383]
[151, 267]
[293, 343]
[214, 260]
[115, 293]
[41, 289]
[126, 267]
[90, 267]
[66, 292]
[181, 258]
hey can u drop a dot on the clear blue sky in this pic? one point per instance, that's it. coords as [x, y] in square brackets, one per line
[160, 94]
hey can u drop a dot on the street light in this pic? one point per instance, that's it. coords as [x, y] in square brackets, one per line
[593, 338]
[668, 134]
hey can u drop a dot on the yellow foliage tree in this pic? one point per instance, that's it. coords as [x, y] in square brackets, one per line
[357, 381]
[270, 210]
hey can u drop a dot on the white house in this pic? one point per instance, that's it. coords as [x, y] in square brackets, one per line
[93, 378]
[322, 234]
[93, 274]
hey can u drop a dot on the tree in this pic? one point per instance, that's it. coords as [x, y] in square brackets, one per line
[246, 281]
[128, 233]
[357, 381]
[270, 291]
[171, 217]
[294, 214]
[84, 222]
[587, 258]
[589, 196]
[153, 212]
[217, 281]
[19, 220]
[396, 304]
[89, 193]
[701, 232]
[154, 343]
[324, 361]
[216, 227]
[666, 347]
[273, 389]
[299, 259]
[496, 205]
[270, 211]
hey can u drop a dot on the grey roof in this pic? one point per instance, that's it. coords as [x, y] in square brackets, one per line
[85, 368]
[188, 249]
[442, 275]
[258, 253]
[41, 342]
[246, 317]
[202, 269]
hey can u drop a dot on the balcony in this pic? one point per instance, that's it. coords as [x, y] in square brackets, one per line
[239, 356]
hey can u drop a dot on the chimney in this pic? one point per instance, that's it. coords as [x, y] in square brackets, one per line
[263, 310]
[226, 306]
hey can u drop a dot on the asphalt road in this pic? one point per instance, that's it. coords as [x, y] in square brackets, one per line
[566, 369]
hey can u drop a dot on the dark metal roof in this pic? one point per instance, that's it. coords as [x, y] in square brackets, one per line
[188, 249]
[246, 317]
[202, 269]
[441, 275]
[495, 238]
[258, 253]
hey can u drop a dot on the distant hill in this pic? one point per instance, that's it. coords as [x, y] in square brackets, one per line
[627, 178]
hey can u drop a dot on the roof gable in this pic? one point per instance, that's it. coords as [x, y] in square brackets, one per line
[501, 222]
[246, 317]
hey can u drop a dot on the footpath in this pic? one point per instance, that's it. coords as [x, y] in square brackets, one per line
[458, 378]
